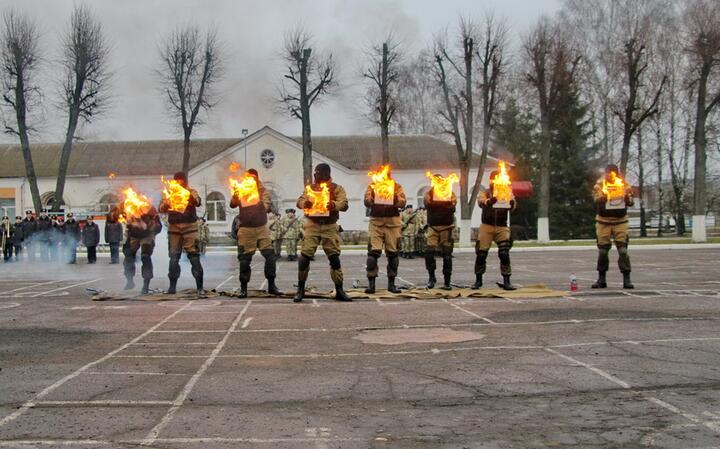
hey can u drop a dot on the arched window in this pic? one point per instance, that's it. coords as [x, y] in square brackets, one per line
[47, 199]
[421, 196]
[107, 202]
[215, 207]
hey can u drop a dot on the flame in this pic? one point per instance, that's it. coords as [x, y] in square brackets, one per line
[320, 199]
[175, 194]
[134, 205]
[111, 175]
[383, 186]
[502, 187]
[442, 187]
[234, 167]
[615, 189]
[245, 189]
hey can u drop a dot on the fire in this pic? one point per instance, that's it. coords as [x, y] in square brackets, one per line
[383, 186]
[442, 187]
[111, 175]
[134, 205]
[245, 189]
[502, 187]
[234, 167]
[320, 199]
[615, 189]
[175, 194]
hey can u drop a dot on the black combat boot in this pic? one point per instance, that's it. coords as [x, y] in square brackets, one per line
[371, 286]
[391, 286]
[172, 288]
[506, 284]
[146, 287]
[478, 281]
[340, 294]
[431, 280]
[446, 282]
[243, 290]
[199, 287]
[601, 282]
[272, 288]
[300, 292]
[626, 280]
[129, 284]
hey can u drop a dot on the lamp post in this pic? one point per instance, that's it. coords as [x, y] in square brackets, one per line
[244, 134]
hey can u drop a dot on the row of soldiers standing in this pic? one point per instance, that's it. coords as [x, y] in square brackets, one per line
[286, 231]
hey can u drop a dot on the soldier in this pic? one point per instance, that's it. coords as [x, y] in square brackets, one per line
[291, 231]
[113, 234]
[42, 237]
[384, 232]
[322, 230]
[203, 235]
[183, 236]
[275, 225]
[140, 235]
[29, 234]
[6, 230]
[253, 234]
[56, 236]
[439, 237]
[611, 225]
[18, 235]
[494, 227]
[91, 239]
[409, 231]
[72, 237]
[421, 231]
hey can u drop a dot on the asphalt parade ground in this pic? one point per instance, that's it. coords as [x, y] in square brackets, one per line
[593, 369]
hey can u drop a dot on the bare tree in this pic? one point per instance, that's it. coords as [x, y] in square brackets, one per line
[383, 71]
[417, 98]
[19, 51]
[702, 19]
[309, 77]
[638, 99]
[85, 83]
[551, 66]
[456, 70]
[190, 67]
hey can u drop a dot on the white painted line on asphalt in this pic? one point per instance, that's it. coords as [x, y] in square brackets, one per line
[187, 389]
[714, 426]
[55, 443]
[188, 331]
[66, 287]
[246, 323]
[29, 404]
[31, 286]
[488, 320]
[9, 305]
[219, 440]
[81, 307]
[173, 343]
[225, 281]
[315, 302]
[100, 403]
[592, 368]
[130, 373]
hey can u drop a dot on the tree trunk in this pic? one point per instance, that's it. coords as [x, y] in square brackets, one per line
[21, 114]
[544, 174]
[305, 118]
[625, 150]
[699, 139]
[186, 151]
[65, 159]
[641, 185]
[660, 192]
[384, 113]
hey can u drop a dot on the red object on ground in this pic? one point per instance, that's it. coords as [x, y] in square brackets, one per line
[522, 189]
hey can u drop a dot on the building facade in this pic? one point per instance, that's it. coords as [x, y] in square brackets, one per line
[98, 171]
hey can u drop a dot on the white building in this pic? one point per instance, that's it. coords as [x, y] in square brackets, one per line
[277, 158]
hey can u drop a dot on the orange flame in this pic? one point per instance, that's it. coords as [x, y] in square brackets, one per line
[615, 189]
[382, 185]
[175, 194]
[134, 205]
[234, 167]
[442, 187]
[320, 200]
[111, 175]
[245, 189]
[502, 187]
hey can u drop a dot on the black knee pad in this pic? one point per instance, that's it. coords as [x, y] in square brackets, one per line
[604, 248]
[127, 251]
[622, 248]
[392, 254]
[147, 249]
[303, 263]
[446, 250]
[334, 261]
[374, 253]
[268, 253]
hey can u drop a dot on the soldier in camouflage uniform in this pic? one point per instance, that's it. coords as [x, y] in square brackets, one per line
[409, 230]
[421, 231]
[275, 225]
[292, 229]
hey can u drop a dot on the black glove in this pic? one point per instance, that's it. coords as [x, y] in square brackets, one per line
[331, 205]
[512, 204]
[491, 201]
[307, 204]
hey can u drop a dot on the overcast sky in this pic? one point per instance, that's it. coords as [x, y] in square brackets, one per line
[252, 32]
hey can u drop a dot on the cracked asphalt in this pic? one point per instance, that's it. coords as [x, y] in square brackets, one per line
[593, 369]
